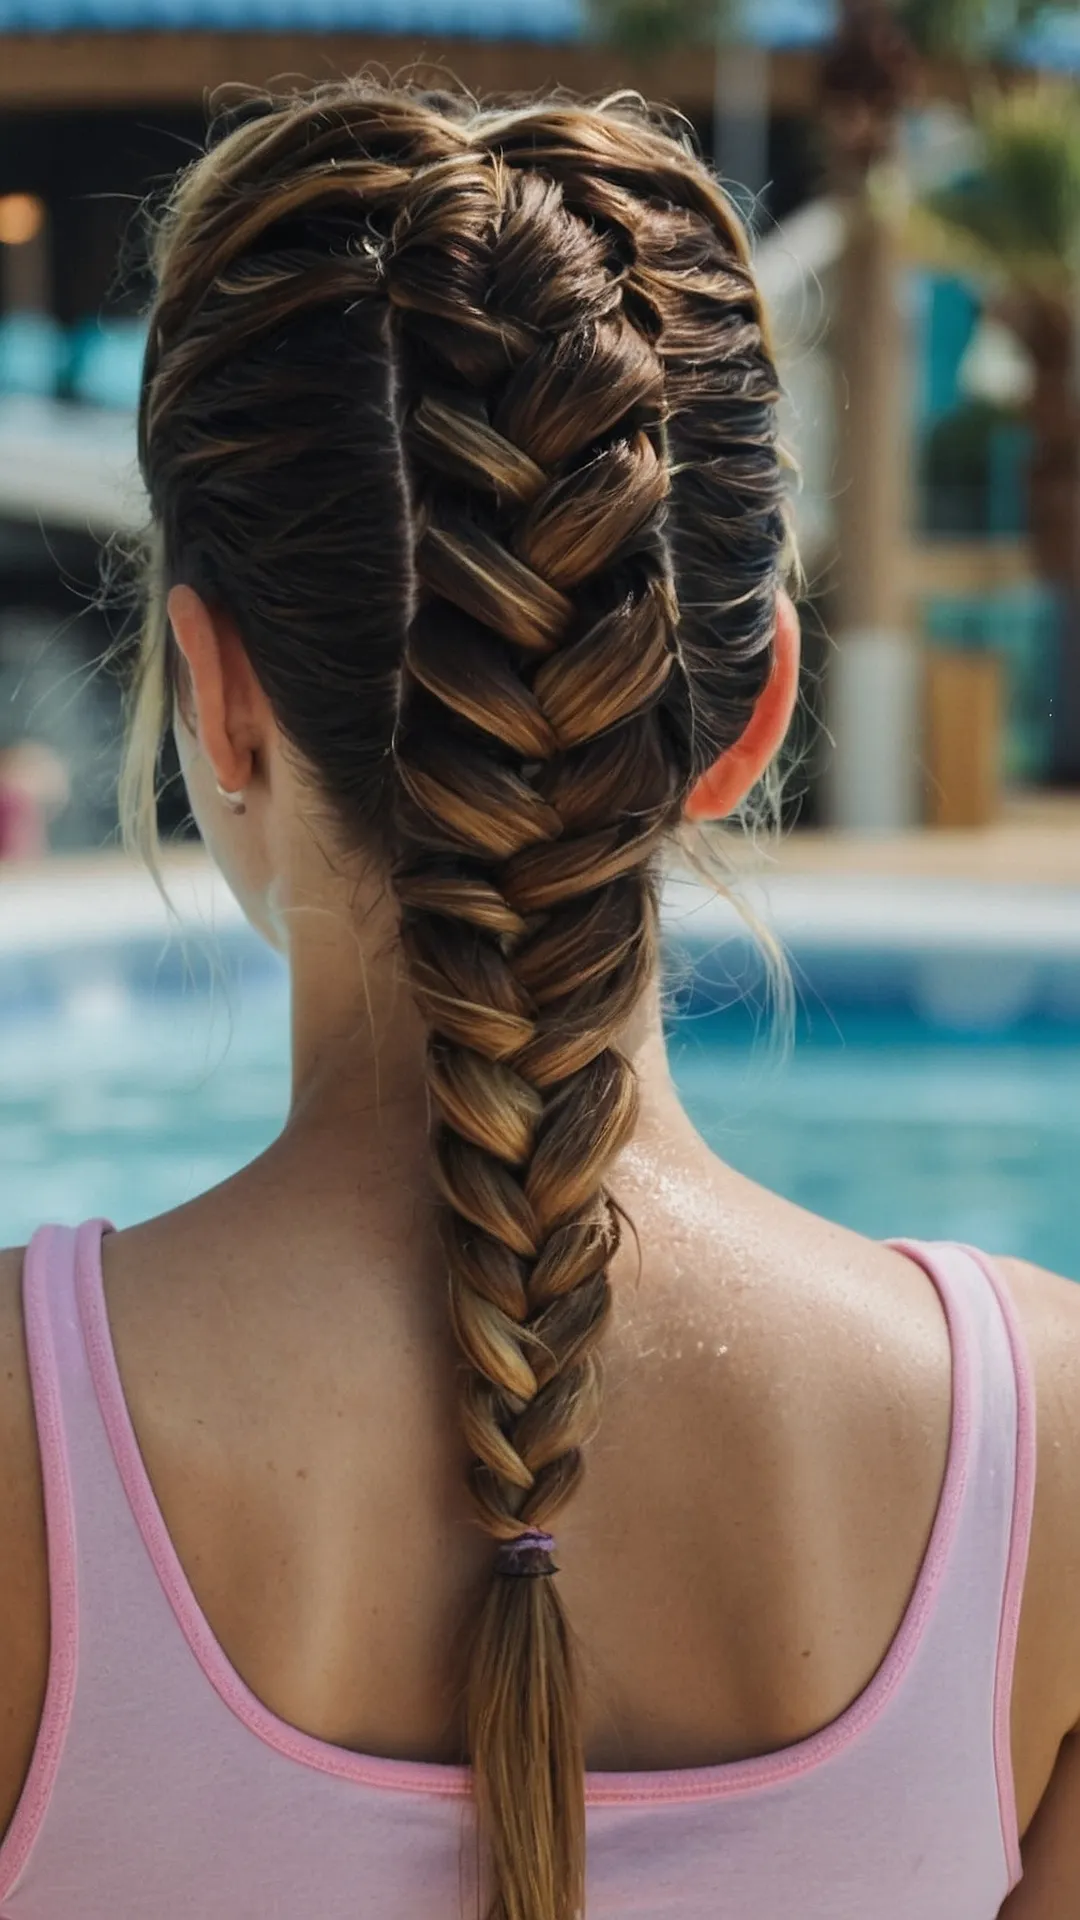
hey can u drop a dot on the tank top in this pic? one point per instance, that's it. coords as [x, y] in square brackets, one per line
[161, 1788]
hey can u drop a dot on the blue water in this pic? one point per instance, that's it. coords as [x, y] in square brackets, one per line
[125, 1103]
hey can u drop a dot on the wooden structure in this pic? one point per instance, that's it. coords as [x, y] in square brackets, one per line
[179, 68]
[965, 702]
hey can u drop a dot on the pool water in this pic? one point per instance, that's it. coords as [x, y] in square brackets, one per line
[125, 1102]
[898, 1131]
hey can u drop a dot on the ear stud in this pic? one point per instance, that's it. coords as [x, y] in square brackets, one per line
[234, 801]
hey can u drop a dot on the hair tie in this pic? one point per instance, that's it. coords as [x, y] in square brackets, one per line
[528, 1557]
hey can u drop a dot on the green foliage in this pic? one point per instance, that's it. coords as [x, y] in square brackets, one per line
[655, 26]
[944, 29]
[970, 29]
[1019, 213]
[941, 29]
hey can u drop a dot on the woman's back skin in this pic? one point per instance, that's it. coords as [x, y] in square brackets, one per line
[756, 1504]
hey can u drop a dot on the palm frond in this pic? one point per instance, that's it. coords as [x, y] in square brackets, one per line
[1019, 211]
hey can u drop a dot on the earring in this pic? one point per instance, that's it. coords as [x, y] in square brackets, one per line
[234, 801]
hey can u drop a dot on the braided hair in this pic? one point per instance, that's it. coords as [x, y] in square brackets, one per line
[468, 418]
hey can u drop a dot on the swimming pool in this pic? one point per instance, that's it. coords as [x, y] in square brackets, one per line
[930, 1090]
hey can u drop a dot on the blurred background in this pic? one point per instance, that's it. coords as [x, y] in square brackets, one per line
[910, 170]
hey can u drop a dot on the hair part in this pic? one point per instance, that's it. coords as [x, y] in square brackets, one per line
[467, 417]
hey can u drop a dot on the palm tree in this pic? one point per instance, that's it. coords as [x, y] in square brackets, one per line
[1014, 225]
[869, 74]
[870, 66]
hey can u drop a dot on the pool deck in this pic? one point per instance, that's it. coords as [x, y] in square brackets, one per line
[1035, 843]
[1014, 887]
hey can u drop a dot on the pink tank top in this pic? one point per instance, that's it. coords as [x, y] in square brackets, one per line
[161, 1789]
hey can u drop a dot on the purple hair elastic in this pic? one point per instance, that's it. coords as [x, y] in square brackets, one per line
[528, 1557]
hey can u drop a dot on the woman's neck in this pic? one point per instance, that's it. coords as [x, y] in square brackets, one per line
[358, 1042]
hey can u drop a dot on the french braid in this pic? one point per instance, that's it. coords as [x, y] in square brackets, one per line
[538, 333]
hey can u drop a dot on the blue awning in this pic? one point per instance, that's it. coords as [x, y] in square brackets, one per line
[481, 19]
[1053, 43]
[774, 23]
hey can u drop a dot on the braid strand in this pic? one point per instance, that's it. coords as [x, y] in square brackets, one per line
[468, 416]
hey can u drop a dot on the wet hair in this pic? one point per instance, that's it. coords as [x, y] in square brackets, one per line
[467, 418]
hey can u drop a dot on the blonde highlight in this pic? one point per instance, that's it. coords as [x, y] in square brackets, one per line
[469, 418]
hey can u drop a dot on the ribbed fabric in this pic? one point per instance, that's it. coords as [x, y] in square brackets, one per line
[161, 1789]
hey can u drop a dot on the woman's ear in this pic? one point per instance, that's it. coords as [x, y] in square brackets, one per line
[730, 778]
[226, 700]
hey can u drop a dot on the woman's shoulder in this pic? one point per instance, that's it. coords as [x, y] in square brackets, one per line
[21, 1509]
[24, 1606]
[1048, 1655]
[17, 1435]
[797, 1342]
[1048, 1310]
[11, 1268]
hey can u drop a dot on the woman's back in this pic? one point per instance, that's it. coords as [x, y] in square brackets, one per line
[464, 601]
[762, 1549]
[736, 1400]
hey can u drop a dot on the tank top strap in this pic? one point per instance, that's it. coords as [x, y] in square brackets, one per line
[977, 1558]
[97, 1553]
[80, 1491]
[83, 1493]
[113, 1643]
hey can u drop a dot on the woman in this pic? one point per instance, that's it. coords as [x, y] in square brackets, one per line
[466, 592]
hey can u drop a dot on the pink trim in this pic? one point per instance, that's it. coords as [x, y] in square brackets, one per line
[1016, 1569]
[63, 1578]
[602, 1789]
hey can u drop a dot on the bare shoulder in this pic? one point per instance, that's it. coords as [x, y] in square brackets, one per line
[791, 1383]
[1046, 1692]
[24, 1603]
[20, 1481]
[1048, 1308]
[11, 1267]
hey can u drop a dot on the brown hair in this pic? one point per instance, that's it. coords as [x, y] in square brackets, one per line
[468, 418]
